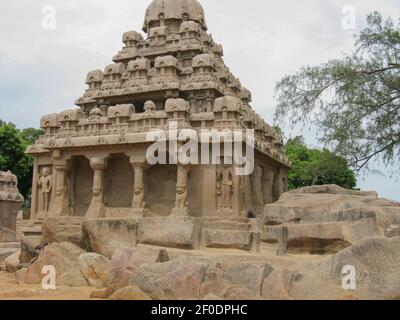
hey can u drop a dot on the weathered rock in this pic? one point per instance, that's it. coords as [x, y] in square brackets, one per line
[163, 256]
[248, 275]
[20, 275]
[11, 263]
[319, 204]
[104, 236]
[184, 283]
[5, 252]
[146, 283]
[7, 235]
[173, 231]
[64, 257]
[129, 293]
[215, 282]
[62, 229]
[327, 219]
[123, 267]
[376, 262]
[28, 248]
[95, 268]
[277, 285]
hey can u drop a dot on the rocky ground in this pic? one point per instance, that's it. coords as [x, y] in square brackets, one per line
[308, 237]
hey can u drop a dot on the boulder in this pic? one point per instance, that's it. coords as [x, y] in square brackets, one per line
[12, 262]
[376, 262]
[248, 275]
[327, 219]
[277, 285]
[64, 257]
[146, 283]
[185, 282]
[62, 229]
[28, 248]
[215, 282]
[104, 236]
[124, 266]
[95, 268]
[319, 204]
[173, 231]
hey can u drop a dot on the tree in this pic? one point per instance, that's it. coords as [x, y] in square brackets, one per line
[354, 101]
[316, 167]
[13, 143]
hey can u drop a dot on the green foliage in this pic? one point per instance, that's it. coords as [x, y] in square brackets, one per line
[354, 101]
[316, 167]
[13, 143]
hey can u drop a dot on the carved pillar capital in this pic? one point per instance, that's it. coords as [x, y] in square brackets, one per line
[98, 163]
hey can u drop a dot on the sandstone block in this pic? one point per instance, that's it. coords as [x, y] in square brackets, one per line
[104, 236]
[95, 268]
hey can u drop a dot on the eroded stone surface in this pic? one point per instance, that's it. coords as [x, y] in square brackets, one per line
[326, 219]
[64, 258]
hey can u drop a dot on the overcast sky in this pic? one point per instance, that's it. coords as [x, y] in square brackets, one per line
[43, 71]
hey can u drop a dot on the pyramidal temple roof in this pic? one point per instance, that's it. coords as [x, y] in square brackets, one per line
[176, 59]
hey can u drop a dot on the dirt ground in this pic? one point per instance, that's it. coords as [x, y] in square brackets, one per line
[11, 290]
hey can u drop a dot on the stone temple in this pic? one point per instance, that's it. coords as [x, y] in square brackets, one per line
[90, 167]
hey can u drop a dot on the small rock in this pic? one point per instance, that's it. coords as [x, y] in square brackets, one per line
[11, 263]
[163, 256]
[64, 258]
[95, 268]
[129, 293]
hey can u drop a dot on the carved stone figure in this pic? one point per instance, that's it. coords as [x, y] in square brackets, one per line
[138, 198]
[149, 106]
[181, 205]
[46, 186]
[226, 183]
[181, 197]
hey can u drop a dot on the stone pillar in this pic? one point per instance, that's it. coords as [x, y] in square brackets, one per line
[138, 203]
[268, 182]
[34, 199]
[181, 205]
[60, 205]
[97, 207]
